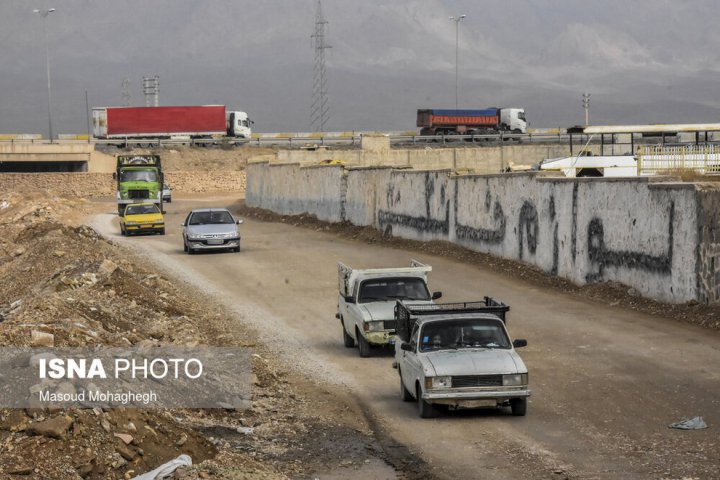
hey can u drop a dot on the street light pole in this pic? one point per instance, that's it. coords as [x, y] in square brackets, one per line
[44, 14]
[457, 26]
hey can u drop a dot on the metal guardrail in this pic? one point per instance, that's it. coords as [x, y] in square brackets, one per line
[293, 140]
[700, 158]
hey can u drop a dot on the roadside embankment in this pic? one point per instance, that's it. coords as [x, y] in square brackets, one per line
[65, 286]
[86, 184]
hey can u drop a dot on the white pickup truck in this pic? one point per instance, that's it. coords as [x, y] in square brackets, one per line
[459, 355]
[366, 302]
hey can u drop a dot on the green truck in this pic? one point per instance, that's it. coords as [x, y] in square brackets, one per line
[139, 180]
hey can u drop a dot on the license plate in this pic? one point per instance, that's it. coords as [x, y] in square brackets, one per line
[215, 242]
[477, 403]
[147, 225]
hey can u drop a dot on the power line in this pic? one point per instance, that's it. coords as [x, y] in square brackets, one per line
[320, 108]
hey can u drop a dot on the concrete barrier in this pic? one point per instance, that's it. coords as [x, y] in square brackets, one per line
[660, 238]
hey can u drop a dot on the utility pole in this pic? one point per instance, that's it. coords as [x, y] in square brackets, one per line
[586, 106]
[125, 92]
[319, 111]
[44, 14]
[457, 27]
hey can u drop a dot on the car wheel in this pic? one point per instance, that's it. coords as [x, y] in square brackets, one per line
[363, 345]
[162, 232]
[404, 394]
[185, 246]
[236, 249]
[122, 231]
[518, 406]
[348, 341]
[425, 409]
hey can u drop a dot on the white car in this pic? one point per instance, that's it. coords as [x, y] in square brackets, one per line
[210, 229]
[166, 193]
[459, 355]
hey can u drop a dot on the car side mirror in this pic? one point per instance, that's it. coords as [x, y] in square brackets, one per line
[349, 299]
[408, 347]
[240, 221]
[436, 295]
[182, 224]
[519, 342]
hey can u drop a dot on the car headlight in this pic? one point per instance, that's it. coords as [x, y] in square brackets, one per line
[515, 380]
[374, 326]
[438, 382]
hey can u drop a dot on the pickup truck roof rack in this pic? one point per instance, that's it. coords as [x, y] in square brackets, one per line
[406, 314]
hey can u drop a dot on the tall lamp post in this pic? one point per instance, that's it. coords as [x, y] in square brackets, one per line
[586, 106]
[457, 26]
[44, 14]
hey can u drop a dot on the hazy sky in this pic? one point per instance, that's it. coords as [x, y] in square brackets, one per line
[648, 61]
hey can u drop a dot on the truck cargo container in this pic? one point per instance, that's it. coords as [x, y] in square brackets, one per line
[471, 122]
[154, 123]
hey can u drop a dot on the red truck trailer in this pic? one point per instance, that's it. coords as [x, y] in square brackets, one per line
[155, 123]
[202, 121]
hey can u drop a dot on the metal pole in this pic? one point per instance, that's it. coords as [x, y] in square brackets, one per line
[44, 14]
[457, 27]
[87, 114]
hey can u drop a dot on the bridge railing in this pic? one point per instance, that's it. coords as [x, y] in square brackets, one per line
[700, 158]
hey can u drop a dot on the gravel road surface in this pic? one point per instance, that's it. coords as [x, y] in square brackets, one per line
[606, 382]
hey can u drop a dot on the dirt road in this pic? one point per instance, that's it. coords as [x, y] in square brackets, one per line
[606, 382]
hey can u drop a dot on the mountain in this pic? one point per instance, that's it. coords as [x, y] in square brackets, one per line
[642, 61]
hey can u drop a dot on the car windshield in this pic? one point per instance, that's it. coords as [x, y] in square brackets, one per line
[465, 333]
[141, 209]
[379, 290]
[138, 176]
[205, 218]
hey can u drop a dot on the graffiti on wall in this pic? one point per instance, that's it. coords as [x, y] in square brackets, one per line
[422, 223]
[528, 228]
[601, 256]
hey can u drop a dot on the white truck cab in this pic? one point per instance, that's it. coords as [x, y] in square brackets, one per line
[513, 120]
[238, 124]
[367, 297]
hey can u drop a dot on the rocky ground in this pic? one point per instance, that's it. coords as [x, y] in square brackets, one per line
[65, 286]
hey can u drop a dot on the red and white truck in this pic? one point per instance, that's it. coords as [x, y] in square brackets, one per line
[179, 122]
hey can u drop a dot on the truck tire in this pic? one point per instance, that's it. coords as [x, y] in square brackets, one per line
[425, 409]
[348, 341]
[404, 394]
[363, 345]
[518, 406]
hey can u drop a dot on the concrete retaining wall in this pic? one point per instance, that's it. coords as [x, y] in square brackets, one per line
[292, 189]
[661, 238]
